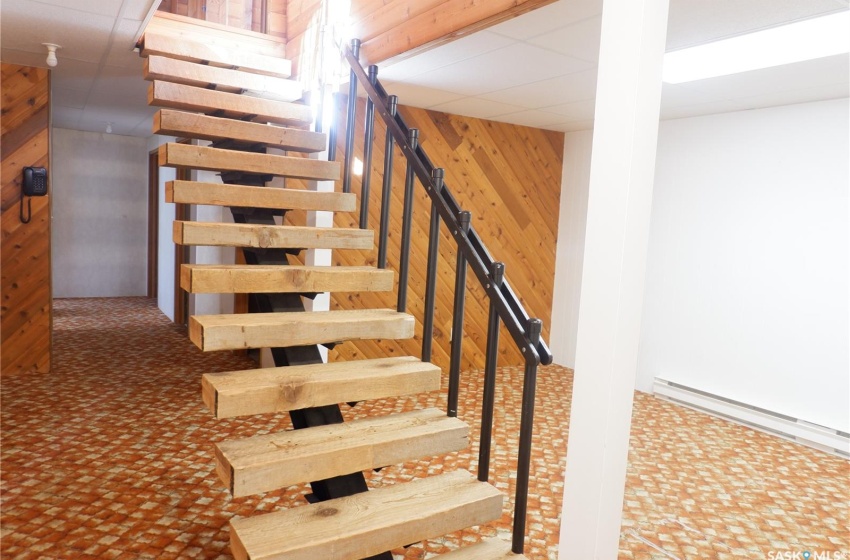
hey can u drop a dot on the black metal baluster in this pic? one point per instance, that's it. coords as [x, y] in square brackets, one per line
[529, 388]
[497, 274]
[407, 222]
[433, 252]
[389, 148]
[457, 320]
[349, 131]
[334, 127]
[368, 138]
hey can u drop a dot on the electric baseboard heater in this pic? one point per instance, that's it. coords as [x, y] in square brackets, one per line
[787, 427]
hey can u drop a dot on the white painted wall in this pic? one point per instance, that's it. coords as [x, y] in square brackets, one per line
[572, 221]
[99, 229]
[165, 246]
[210, 304]
[747, 279]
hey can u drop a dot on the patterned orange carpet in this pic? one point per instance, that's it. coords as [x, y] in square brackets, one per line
[110, 456]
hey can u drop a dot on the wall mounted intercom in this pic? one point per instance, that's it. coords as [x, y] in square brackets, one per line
[34, 184]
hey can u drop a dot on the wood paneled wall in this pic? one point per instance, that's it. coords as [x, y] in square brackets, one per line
[393, 29]
[509, 177]
[25, 252]
[241, 14]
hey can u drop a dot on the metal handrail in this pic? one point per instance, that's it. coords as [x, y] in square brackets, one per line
[504, 306]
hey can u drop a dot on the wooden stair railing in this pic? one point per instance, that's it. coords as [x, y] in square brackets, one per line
[240, 100]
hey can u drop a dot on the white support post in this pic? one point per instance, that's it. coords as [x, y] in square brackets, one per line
[628, 98]
[321, 257]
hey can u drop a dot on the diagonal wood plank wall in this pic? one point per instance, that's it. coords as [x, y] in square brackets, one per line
[509, 177]
[25, 252]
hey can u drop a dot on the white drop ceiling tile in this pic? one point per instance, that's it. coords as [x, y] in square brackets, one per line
[85, 35]
[476, 107]
[69, 97]
[138, 9]
[548, 18]
[579, 40]
[574, 126]
[455, 51]
[23, 58]
[574, 111]
[693, 22]
[74, 74]
[125, 32]
[102, 7]
[823, 71]
[500, 69]
[419, 96]
[125, 58]
[556, 91]
[533, 118]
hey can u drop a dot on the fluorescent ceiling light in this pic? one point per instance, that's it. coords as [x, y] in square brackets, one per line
[803, 40]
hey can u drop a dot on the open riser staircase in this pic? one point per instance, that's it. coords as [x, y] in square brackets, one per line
[243, 102]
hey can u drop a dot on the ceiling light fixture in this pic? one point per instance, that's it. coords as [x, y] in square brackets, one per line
[802, 40]
[109, 128]
[52, 61]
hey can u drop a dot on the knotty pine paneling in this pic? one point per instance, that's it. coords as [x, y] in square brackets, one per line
[509, 177]
[239, 14]
[25, 320]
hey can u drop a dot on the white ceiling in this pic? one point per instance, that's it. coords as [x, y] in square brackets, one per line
[540, 69]
[99, 77]
[537, 70]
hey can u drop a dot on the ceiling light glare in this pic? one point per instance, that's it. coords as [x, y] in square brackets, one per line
[803, 40]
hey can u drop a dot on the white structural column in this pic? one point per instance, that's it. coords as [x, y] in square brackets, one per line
[622, 169]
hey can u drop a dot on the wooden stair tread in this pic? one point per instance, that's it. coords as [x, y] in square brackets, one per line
[268, 462]
[269, 237]
[489, 549]
[253, 279]
[281, 389]
[369, 523]
[174, 154]
[231, 105]
[272, 330]
[206, 127]
[221, 79]
[183, 48]
[218, 194]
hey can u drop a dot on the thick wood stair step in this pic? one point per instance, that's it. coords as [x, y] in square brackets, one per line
[231, 105]
[281, 389]
[194, 125]
[216, 54]
[217, 159]
[221, 79]
[269, 279]
[268, 462]
[369, 523]
[271, 237]
[272, 330]
[490, 549]
[218, 194]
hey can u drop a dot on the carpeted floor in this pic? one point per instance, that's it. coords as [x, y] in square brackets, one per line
[110, 456]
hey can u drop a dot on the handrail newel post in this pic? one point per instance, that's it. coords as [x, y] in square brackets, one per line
[389, 148]
[350, 126]
[529, 388]
[368, 139]
[463, 222]
[406, 224]
[433, 253]
[497, 275]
